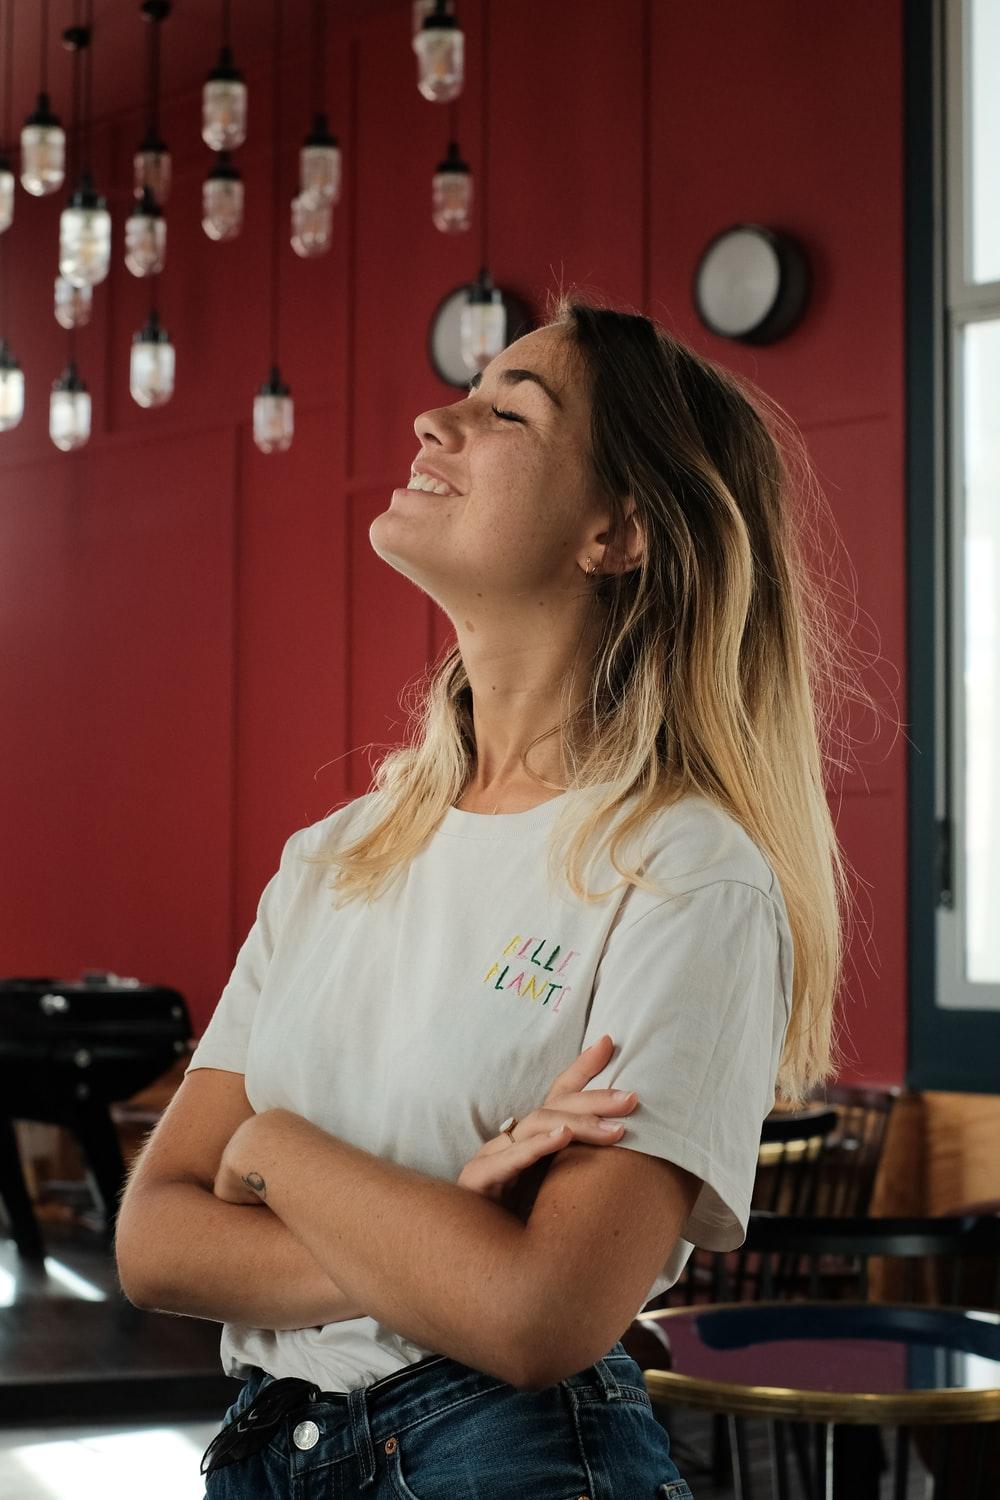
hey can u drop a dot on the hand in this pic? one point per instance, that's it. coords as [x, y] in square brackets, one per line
[229, 1184]
[571, 1110]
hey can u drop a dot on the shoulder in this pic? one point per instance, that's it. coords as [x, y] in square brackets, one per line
[326, 834]
[697, 843]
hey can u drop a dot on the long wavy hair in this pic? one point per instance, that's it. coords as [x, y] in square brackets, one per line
[721, 668]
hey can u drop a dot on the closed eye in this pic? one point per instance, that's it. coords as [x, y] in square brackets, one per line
[506, 416]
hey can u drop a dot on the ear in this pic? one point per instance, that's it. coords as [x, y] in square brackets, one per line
[628, 558]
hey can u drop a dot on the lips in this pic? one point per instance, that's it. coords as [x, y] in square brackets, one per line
[423, 468]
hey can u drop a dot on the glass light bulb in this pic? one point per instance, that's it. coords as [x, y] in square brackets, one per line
[224, 106]
[440, 50]
[483, 329]
[151, 168]
[151, 367]
[85, 243]
[73, 304]
[11, 389]
[319, 173]
[312, 226]
[273, 415]
[43, 151]
[145, 241]
[222, 203]
[6, 195]
[69, 412]
[451, 193]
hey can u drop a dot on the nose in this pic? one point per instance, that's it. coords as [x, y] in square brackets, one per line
[438, 426]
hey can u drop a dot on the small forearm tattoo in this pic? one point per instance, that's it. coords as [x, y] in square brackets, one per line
[256, 1183]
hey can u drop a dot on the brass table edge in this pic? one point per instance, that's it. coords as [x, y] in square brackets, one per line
[933, 1408]
[667, 1388]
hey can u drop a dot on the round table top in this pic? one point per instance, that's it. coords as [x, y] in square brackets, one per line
[883, 1363]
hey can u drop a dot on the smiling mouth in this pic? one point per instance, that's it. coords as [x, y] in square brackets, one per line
[424, 484]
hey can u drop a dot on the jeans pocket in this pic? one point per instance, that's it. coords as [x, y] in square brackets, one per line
[504, 1444]
[675, 1489]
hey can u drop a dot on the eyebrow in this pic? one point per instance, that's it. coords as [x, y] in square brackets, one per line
[514, 377]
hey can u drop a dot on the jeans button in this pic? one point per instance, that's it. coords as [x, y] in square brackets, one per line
[306, 1435]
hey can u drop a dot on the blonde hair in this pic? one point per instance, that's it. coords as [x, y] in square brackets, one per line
[720, 669]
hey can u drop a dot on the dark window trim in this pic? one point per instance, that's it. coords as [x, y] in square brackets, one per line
[950, 1050]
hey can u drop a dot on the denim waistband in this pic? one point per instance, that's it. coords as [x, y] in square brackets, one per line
[412, 1387]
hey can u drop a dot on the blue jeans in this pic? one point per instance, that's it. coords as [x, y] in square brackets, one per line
[439, 1430]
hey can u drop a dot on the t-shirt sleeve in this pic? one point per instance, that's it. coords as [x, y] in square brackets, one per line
[225, 1040]
[693, 996]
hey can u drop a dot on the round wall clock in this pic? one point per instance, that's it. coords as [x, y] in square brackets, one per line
[751, 284]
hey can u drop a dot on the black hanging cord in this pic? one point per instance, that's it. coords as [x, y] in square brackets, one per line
[76, 132]
[484, 197]
[225, 23]
[88, 63]
[275, 177]
[5, 251]
[154, 76]
[319, 54]
[43, 71]
[8, 137]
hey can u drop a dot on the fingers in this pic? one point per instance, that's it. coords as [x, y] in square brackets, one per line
[580, 1116]
[489, 1172]
[590, 1061]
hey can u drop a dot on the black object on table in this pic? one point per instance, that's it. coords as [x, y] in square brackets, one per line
[68, 1050]
[831, 1363]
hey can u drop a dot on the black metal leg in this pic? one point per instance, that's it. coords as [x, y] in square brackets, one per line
[977, 1442]
[942, 1461]
[800, 1442]
[901, 1477]
[721, 1449]
[741, 1461]
[102, 1156]
[778, 1441]
[15, 1196]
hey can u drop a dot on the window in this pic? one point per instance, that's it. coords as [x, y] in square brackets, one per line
[968, 696]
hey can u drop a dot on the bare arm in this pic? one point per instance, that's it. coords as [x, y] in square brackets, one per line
[180, 1248]
[226, 1262]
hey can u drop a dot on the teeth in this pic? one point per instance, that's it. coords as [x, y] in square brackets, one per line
[425, 482]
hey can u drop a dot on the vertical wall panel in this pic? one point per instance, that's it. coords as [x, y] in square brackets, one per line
[117, 689]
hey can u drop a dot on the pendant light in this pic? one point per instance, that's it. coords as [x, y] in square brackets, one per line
[84, 224]
[73, 304]
[273, 411]
[69, 410]
[43, 140]
[440, 48]
[6, 170]
[146, 237]
[224, 98]
[483, 323]
[151, 162]
[151, 366]
[312, 226]
[319, 156]
[451, 193]
[222, 200]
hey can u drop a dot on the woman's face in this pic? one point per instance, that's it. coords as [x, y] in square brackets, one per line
[518, 527]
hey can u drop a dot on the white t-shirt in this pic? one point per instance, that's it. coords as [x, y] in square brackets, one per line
[414, 1026]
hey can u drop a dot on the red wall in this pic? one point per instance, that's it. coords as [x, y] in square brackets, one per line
[198, 642]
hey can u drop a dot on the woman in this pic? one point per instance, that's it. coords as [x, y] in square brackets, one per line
[634, 693]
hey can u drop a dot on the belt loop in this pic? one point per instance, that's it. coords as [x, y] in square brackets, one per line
[607, 1381]
[357, 1408]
